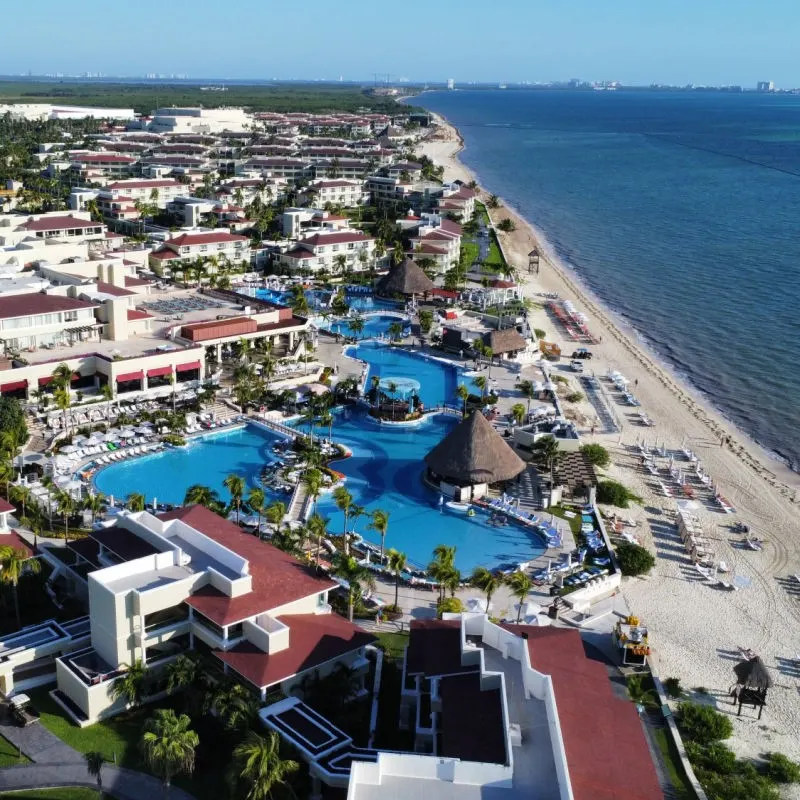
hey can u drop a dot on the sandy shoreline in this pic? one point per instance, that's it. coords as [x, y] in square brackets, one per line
[696, 629]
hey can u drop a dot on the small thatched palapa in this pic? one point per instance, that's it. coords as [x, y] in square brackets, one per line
[506, 341]
[405, 278]
[753, 674]
[474, 452]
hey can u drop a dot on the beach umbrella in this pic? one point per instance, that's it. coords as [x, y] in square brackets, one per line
[753, 674]
[79, 438]
[70, 448]
[111, 436]
[95, 439]
[143, 430]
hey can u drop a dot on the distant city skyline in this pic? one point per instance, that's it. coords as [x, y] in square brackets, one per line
[683, 42]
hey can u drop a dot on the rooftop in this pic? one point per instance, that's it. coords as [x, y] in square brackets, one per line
[314, 639]
[278, 578]
[66, 222]
[22, 305]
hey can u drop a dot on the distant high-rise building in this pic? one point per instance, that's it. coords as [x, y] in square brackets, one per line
[765, 86]
[451, 84]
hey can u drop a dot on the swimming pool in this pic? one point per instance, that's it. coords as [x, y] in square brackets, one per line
[206, 460]
[318, 298]
[385, 471]
[438, 379]
[374, 327]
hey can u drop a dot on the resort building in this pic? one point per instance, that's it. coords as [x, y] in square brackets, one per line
[189, 579]
[73, 227]
[198, 120]
[325, 251]
[498, 710]
[189, 246]
[299, 222]
[336, 192]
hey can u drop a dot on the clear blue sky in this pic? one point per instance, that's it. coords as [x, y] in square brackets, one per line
[635, 41]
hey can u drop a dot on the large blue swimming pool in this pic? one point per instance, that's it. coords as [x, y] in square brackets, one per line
[317, 298]
[374, 327]
[438, 379]
[385, 471]
[207, 460]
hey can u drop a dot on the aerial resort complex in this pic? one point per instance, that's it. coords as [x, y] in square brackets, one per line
[313, 483]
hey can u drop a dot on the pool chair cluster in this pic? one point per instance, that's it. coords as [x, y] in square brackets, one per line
[550, 534]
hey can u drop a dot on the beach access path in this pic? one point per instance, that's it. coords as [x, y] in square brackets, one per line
[696, 629]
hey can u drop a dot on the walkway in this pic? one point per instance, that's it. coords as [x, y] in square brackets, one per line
[57, 764]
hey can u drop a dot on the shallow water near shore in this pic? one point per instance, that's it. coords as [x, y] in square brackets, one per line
[677, 210]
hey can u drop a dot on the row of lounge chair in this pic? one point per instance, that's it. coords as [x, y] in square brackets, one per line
[551, 535]
[123, 453]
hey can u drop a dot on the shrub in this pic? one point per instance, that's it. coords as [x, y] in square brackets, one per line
[736, 787]
[703, 724]
[715, 757]
[597, 454]
[539, 333]
[634, 559]
[613, 493]
[174, 439]
[450, 605]
[559, 379]
[574, 397]
[507, 225]
[782, 769]
[672, 686]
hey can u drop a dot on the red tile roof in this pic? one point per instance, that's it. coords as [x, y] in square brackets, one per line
[278, 578]
[116, 291]
[154, 184]
[189, 239]
[299, 252]
[13, 539]
[131, 282]
[60, 223]
[100, 158]
[5, 506]
[164, 254]
[314, 639]
[134, 313]
[434, 648]
[335, 238]
[591, 718]
[22, 305]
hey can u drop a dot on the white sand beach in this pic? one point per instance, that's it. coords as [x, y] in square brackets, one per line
[696, 629]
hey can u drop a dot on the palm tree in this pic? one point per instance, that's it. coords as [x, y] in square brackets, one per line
[135, 502]
[309, 416]
[489, 355]
[357, 576]
[318, 528]
[235, 485]
[397, 563]
[312, 480]
[395, 330]
[344, 502]
[340, 262]
[13, 565]
[380, 524]
[391, 388]
[463, 395]
[520, 585]
[61, 375]
[181, 673]
[255, 501]
[326, 418]
[168, 745]
[235, 705]
[202, 495]
[518, 413]
[131, 684]
[65, 504]
[493, 201]
[257, 762]
[488, 582]
[443, 566]
[63, 401]
[528, 391]
[374, 386]
[546, 450]
[94, 766]
[481, 383]
[299, 301]
[275, 513]
[95, 503]
[356, 326]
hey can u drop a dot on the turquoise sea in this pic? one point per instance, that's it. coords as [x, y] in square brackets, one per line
[681, 211]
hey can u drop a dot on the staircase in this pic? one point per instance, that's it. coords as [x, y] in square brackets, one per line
[525, 491]
[39, 437]
[219, 410]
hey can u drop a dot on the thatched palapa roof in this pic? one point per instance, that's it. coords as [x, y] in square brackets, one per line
[406, 278]
[506, 341]
[474, 452]
[753, 674]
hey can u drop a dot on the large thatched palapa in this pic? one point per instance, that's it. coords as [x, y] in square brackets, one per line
[405, 278]
[472, 453]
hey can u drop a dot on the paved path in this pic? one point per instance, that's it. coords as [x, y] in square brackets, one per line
[124, 784]
[57, 764]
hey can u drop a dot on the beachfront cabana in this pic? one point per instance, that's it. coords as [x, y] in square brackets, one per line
[407, 278]
[752, 682]
[471, 458]
[506, 343]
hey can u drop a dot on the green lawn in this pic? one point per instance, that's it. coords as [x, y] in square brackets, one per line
[574, 522]
[394, 644]
[9, 755]
[471, 252]
[62, 793]
[495, 257]
[118, 740]
[672, 764]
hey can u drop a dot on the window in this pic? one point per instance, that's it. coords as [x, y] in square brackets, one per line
[70, 316]
[203, 248]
